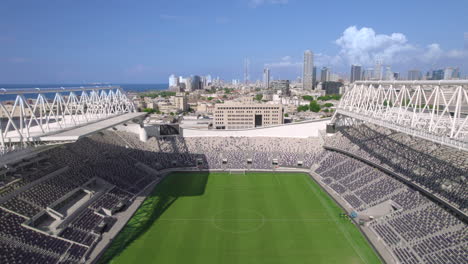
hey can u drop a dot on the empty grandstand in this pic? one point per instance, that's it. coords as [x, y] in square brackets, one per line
[65, 203]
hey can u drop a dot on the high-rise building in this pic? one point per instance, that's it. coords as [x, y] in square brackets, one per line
[388, 74]
[438, 74]
[266, 78]
[188, 84]
[196, 83]
[209, 80]
[325, 74]
[456, 73]
[246, 71]
[466, 40]
[314, 77]
[451, 73]
[448, 73]
[307, 75]
[428, 75]
[378, 70]
[355, 73]
[173, 81]
[414, 75]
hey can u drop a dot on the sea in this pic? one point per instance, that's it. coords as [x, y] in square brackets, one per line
[126, 87]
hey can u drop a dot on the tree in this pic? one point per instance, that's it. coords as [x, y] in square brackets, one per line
[210, 98]
[303, 108]
[159, 93]
[259, 97]
[286, 115]
[385, 103]
[149, 110]
[330, 97]
[328, 105]
[314, 106]
[307, 97]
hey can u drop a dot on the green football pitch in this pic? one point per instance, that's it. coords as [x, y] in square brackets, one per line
[235, 218]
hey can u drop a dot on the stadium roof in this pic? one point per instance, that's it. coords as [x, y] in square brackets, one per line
[82, 131]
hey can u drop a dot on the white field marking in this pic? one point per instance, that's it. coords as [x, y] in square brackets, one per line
[249, 219]
[249, 230]
[328, 209]
[277, 179]
[242, 186]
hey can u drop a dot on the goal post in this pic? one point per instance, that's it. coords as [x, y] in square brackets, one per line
[237, 171]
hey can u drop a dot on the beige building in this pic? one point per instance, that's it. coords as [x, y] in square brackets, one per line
[240, 116]
[152, 105]
[181, 102]
[166, 108]
[205, 108]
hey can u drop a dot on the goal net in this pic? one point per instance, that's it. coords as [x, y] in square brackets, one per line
[237, 171]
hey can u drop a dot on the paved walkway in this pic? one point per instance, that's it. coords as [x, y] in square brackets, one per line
[122, 219]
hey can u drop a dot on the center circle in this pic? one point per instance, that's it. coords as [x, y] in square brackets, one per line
[238, 221]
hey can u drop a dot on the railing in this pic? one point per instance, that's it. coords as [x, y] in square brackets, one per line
[433, 110]
[48, 110]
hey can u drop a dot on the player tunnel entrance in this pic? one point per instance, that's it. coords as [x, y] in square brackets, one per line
[258, 120]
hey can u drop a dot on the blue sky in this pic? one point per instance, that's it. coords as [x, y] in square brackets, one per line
[144, 41]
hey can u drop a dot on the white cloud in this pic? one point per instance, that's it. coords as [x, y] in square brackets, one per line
[432, 53]
[286, 61]
[256, 3]
[364, 46]
[458, 54]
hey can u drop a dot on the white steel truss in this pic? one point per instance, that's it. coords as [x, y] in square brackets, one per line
[433, 110]
[50, 110]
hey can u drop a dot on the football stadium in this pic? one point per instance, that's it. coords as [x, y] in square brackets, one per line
[383, 181]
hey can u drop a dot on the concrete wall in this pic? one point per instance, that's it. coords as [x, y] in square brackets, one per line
[294, 130]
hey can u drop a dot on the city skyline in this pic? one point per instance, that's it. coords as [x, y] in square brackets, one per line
[357, 73]
[62, 42]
